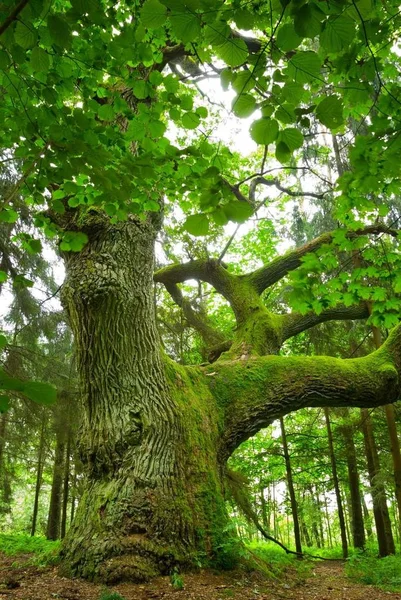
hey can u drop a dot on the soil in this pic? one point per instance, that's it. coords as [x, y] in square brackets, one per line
[20, 580]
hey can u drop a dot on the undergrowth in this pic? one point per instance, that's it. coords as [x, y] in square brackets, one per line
[45, 552]
[278, 561]
[384, 573]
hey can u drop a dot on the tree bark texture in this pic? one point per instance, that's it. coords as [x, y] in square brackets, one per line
[291, 490]
[154, 487]
[358, 532]
[380, 510]
[340, 509]
[156, 436]
[39, 472]
[56, 494]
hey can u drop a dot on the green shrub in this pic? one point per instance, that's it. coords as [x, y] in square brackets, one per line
[381, 572]
[278, 560]
[45, 552]
[106, 595]
[176, 580]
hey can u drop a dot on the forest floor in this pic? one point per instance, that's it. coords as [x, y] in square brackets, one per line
[20, 580]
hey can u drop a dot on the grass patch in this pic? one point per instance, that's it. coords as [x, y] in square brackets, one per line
[384, 573]
[111, 596]
[45, 552]
[278, 561]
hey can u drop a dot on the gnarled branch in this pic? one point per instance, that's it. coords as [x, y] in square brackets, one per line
[278, 268]
[257, 391]
[294, 323]
[276, 183]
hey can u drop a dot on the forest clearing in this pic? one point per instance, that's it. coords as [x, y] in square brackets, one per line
[200, 298]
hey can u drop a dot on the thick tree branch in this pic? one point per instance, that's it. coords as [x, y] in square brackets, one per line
[257, 391]
[210, 271]
[282, 265]
[295, 323]
[12, 16]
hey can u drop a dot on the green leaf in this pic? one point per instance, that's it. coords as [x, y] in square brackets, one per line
[185, 26]
[3, 276]
[106, 112]
[140, 89]
[3, 341]
[338, 33]
[8, 215]
[197, 225]
[287, 38]
[21, 282]
[25, 36]
[153, 14]
[41, 393]
[190, 120]
[304, 67]
[4, 403]
[234, 52]
[59, 30]
[292, 138]
[244, 105]
[73, 241]
[202, 112]
[330, 112]
[4, 60]
[283, 153]
[308, 21]
[40, 60]
[264, 131]
[238, 211]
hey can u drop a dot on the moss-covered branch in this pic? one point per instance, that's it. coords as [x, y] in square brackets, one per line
[254, 392]
[278, 268]
[294, 323]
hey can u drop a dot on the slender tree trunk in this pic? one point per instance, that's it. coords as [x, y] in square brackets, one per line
[73, 492]
[291, 490]
[154, 491]
[266, 525]
[358, 532]
[341, 518]
[328, 521]
[346, 503]
[396, 456]
[39, 472]
[380, 510]
[66, 482]
[320, 519]
[53, 521]
[367, 518]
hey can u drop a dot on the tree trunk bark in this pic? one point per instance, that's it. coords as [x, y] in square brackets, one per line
[53, 521]
[367, 518]
[291, 490]
[380, 511]
[341, 518]
[66, 485]
[358, 532]
[396, 456]
[39, 472]
[153, 496]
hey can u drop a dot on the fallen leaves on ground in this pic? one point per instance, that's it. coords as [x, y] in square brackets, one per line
[19, 580]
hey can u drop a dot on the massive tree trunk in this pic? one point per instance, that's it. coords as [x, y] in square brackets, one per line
[154, 490]
[156, 436]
